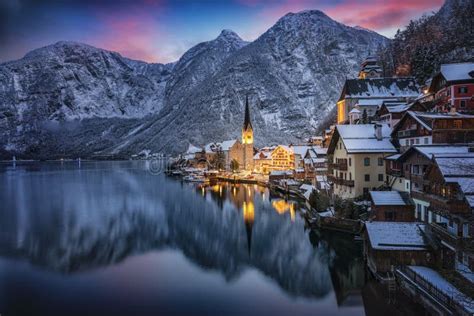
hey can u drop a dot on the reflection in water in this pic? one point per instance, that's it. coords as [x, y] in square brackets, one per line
[106, 217]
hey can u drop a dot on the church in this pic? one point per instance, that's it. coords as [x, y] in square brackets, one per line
[241, 151]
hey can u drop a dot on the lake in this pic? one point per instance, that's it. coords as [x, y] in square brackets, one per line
[113, 238]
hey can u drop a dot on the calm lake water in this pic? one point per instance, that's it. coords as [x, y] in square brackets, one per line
[110, 238]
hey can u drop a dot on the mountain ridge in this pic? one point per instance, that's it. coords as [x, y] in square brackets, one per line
[292, 74]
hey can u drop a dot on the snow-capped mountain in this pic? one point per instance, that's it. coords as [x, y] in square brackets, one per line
[72, 99]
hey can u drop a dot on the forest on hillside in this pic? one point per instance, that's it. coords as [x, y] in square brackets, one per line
[426, 43]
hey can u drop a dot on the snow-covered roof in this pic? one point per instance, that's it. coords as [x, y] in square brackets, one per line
[361, 131]
[281, 173]
[370, 102]
[387, 198]
[439, 150]
[321, 151]
[426, 118]
[381, 88]
[193, 149]
[466, 183]
[470, 200]
[226, 145]
[300, 149]
[393, 157]
[369, 145]
[396, 236]
[458, 71]
[263, 155]
[397, 108]
[456, 166]
[361, 138]
[307, 187]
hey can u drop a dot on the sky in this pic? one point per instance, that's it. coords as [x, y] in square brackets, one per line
[162, 30]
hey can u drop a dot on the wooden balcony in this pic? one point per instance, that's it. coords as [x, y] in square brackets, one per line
[407, 133]
[442, 205]
[341, 165]
[349, 183]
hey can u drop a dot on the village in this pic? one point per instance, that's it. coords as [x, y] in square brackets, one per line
[396, 170]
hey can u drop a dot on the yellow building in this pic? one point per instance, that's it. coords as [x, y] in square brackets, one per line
[356, 158]
[283, 158]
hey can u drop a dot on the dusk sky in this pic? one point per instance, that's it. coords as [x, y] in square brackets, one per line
[162, 30]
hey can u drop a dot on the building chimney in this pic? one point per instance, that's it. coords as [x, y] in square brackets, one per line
[378, 131]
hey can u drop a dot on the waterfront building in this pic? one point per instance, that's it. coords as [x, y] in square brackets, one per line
[449, 190]
[283, 158]
[390, 244]
[411, 168]
[356, 158]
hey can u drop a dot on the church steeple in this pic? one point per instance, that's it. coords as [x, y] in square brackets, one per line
[247, 122]
[247, 129]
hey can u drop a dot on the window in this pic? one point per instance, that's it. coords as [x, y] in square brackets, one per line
[350, 176]
[417, 141]
[350, 162]
[366, 191]
[367, 177]
[380, 161]
[366, 161]
[416, 169]
[457, 123]
[462, 89]
[406, 142]
[380, 176]
[426, 140]
[390, 216]
[462, 104]
[412, 141]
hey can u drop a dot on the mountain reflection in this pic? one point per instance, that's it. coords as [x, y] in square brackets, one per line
[74, 219]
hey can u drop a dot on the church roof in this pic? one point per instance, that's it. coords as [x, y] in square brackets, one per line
[247, 122]
[379, 88]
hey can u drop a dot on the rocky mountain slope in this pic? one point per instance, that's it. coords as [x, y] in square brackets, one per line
[71, 99]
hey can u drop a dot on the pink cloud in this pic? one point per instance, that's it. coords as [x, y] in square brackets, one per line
[373, 14]
[133, 31]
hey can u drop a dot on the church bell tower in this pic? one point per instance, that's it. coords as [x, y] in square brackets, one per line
[247, 139]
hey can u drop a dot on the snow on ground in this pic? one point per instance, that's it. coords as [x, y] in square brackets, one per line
[435, 279]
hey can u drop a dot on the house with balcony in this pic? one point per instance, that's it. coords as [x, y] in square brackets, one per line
[453, 88]
[315, 163]
[425, 128]
[449, 189]
[410, 168]
[356, 158]
[390, 112]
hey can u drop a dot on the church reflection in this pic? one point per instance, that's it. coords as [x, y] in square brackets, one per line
[243, 198]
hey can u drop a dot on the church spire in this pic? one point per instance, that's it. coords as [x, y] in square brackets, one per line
[247, 123]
